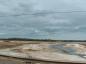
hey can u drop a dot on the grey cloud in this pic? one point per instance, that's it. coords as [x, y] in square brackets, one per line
[43, 21]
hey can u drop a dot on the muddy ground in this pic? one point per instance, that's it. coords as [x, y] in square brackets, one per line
[12, 44]
[19, 44]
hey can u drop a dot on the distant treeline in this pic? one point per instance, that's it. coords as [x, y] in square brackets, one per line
[47, 40]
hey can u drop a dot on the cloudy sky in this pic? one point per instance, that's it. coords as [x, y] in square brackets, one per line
[45, 19]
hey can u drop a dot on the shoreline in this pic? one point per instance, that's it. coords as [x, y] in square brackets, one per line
[47, 40]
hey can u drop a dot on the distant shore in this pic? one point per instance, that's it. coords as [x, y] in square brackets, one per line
[48, 40]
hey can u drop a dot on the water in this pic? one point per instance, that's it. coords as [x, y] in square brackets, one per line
[71, 51]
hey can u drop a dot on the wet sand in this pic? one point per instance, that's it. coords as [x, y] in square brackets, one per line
[19, 44]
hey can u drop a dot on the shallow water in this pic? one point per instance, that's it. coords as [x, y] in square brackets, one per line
[62, 49]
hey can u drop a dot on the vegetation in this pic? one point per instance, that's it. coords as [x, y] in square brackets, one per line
[48, 40]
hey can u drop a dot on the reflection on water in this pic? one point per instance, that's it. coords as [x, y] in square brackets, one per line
[63, 49]
[71, 50]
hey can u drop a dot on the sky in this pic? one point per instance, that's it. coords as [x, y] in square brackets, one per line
[43, 19]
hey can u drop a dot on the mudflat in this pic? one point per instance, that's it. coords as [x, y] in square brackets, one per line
[42, 52]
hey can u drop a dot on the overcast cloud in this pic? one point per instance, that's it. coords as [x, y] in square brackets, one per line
[43, 21]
